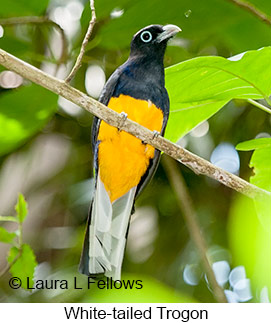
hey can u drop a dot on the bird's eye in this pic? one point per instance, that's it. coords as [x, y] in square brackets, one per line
[146, 36]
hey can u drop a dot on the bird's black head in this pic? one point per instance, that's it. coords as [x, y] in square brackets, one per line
[152, 40]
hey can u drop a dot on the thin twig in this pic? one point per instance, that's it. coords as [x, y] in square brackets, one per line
[259, 105]
[35, 20]
[78, 62]
[194, 162]
[252, 9]
[185, 204]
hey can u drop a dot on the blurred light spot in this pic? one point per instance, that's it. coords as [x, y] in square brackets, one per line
[1, 31]
[42, 114]
[42, 271]
[67, 18]
[208, 50]
[116, 13]
[59, 238]
[217, 253]
[226, 157]
[242, 289]
[231, 296]
[183, 142]
[263, 135]
[56, 48]
[264, 298]
[69, 107]
[95, 80]
[222, 271]
[188, 13]
[192, 274]
[201, 130]
[142, 233]
[179, 42]
[236, 57]
[75, 8]
[10, 80]
[238, 273]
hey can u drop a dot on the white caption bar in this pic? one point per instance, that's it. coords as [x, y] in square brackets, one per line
[106, 312]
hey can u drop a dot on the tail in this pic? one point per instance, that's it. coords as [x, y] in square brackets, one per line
[105, 236]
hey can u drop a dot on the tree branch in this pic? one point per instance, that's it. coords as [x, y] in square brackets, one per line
[36, 21]
[195, 163]
[252, 9]
[78, 62]
[186, 206]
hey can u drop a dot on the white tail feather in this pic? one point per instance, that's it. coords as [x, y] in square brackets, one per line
[107, 231]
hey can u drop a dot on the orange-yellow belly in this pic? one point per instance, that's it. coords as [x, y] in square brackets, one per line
[123, 159]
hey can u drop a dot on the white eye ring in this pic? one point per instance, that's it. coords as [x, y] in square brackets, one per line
[146, 36]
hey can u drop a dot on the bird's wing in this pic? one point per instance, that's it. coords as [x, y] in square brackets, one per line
[104, 98]
[155, 161]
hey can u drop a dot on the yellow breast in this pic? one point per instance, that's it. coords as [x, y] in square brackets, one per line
[123, 159]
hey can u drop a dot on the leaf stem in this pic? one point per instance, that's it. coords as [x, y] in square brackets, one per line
[259, 105]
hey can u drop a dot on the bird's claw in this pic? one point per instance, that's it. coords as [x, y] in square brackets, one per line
[155, 134]
[124, 116]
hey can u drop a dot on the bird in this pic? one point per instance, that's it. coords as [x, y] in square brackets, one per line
[123, 164]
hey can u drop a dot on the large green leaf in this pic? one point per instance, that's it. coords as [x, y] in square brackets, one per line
[199, 87]
[22, 113]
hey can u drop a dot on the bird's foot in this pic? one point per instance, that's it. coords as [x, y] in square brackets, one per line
[124, 116]
[155, 134]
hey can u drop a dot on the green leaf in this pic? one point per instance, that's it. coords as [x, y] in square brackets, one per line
[24, 266]
[21, 208]
[199, 87]
[254, 144]
[5, 236]
[23, 112]
[260, 162]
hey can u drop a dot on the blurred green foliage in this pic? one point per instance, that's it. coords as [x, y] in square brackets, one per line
[46, 151]
[245, 229]
[21, 258]
[23, 114]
